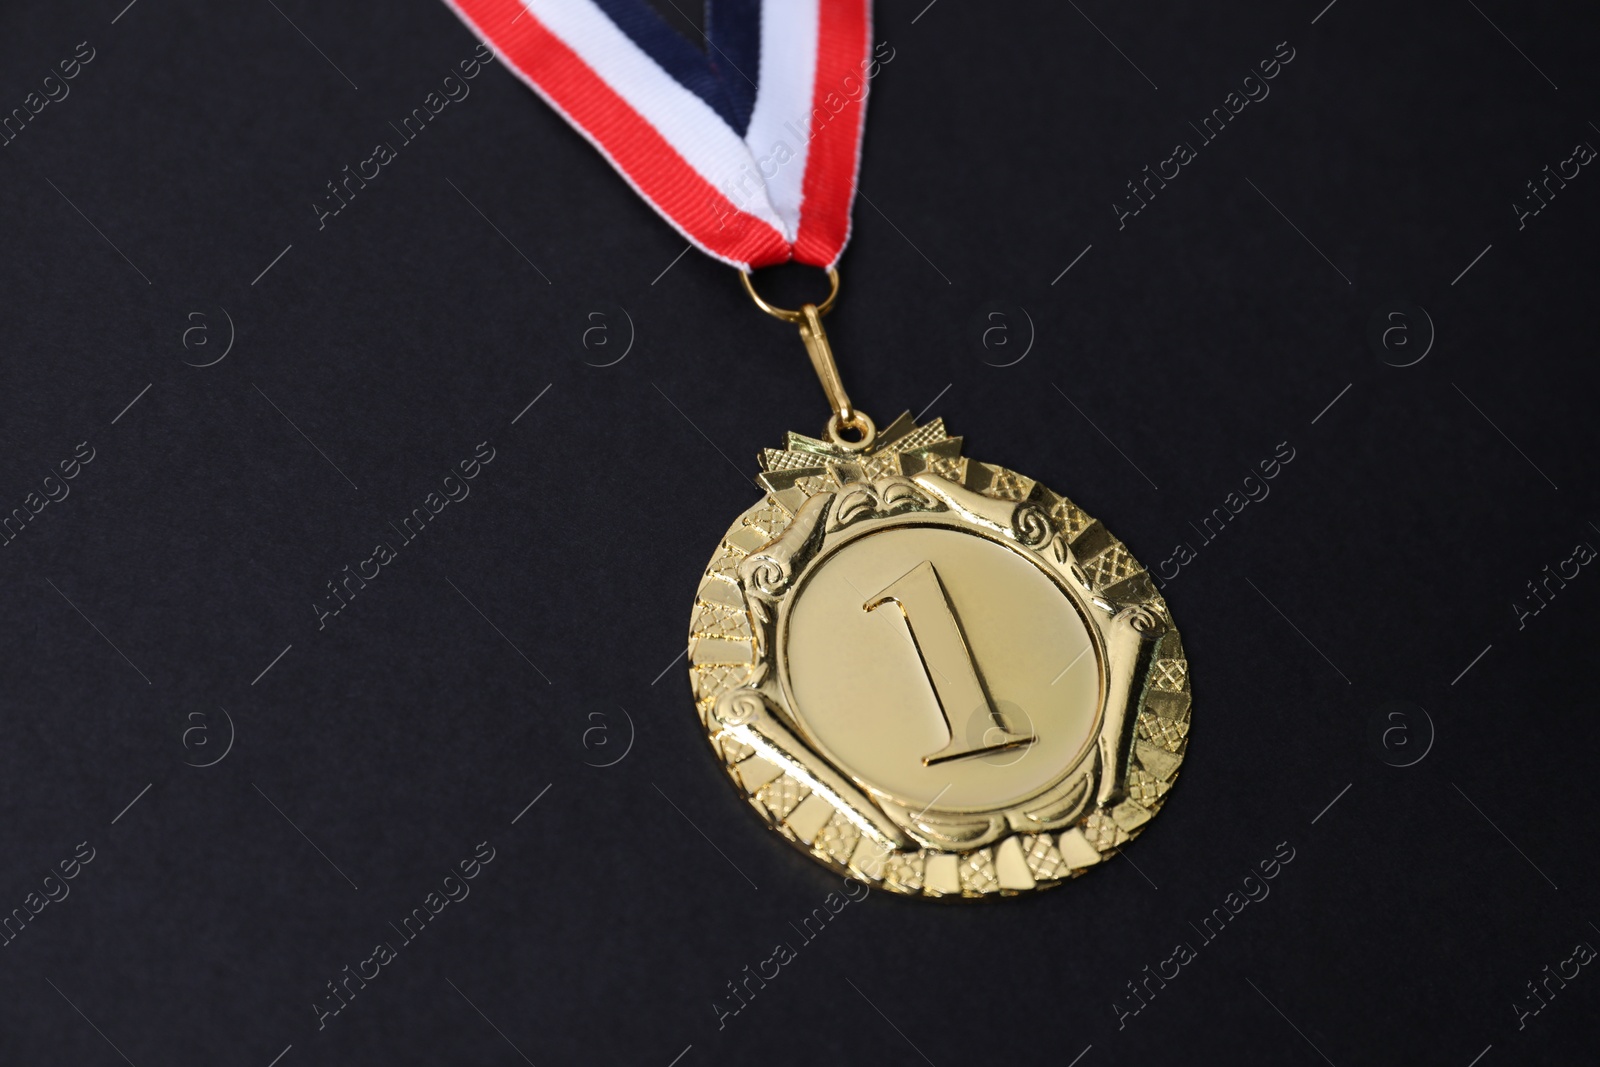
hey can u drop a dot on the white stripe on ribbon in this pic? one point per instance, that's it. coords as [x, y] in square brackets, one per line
[782, 114]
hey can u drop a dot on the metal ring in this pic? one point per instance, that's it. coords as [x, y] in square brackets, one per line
[784, 313]
[858, 421]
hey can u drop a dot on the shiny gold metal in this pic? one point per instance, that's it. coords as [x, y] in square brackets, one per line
[809, 319]
[815, 338]
[786, 314]
[866, 432]
[941, 645]
[935, 674]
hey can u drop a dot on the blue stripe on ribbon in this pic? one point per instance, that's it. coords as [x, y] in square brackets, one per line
[734, 52]
[724, 74]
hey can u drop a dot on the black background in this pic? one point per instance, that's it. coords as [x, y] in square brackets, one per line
[415, 725]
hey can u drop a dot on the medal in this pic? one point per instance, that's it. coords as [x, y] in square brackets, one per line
[928, 672]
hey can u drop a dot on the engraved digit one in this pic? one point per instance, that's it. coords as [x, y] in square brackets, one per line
[946, 660]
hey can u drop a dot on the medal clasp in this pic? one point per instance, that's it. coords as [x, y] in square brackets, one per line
[809, 320]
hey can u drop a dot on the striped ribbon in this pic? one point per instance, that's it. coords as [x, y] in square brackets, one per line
[750, 148]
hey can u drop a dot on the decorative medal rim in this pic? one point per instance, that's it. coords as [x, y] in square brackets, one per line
[848, 825]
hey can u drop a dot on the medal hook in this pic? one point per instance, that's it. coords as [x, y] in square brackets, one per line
[809, 319]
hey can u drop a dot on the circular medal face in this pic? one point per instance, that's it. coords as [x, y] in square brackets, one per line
[935, 674]
[894, 695]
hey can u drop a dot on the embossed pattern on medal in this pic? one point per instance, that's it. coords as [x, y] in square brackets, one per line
[730, 655]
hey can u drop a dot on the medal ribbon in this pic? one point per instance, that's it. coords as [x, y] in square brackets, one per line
[750, 149]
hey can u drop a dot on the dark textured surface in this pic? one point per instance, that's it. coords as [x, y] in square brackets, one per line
[408, 730]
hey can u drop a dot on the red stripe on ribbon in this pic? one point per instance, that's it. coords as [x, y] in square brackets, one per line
[844, 46]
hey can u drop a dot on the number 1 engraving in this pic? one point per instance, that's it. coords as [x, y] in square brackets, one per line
[946, 660]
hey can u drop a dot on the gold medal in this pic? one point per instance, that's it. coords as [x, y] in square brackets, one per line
[931, 673]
